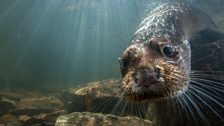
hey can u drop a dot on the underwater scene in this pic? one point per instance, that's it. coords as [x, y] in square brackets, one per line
[111, 62]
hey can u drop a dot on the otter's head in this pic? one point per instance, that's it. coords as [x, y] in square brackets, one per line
[152, 70]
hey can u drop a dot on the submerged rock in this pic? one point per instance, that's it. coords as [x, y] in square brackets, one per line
[4, 119]
[28, 108]
[33, 106]
[24, 102]
[50, 118]
[98, 119]
[99, 96]
[6, 107]
[14, 123]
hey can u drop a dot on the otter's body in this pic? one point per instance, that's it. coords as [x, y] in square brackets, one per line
[159, 62]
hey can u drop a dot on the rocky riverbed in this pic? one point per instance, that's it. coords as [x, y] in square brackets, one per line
[87, 104]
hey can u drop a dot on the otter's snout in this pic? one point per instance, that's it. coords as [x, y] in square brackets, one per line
[146, 77]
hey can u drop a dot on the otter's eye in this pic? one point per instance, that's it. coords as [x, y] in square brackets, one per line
[123, 66]
[124, 63]
[168, 51]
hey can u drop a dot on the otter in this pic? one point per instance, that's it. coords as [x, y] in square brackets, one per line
[159, 62]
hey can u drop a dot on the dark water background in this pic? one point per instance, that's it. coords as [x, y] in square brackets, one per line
[55, 43]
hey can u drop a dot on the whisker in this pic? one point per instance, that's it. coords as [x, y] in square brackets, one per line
[175, 78]
[204, 71]
[201, 99]
[202, 58]
[219, 84]
[186, 104]
[209, 76]
[212, 89]
[131, 108]
[201, 91]
[177, 101]
[116, 107]
[147, 109]
[124, 107]
[96, 107]
[138, 108]
[209, 86]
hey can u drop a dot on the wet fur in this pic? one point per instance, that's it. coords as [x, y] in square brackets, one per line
[202, 103]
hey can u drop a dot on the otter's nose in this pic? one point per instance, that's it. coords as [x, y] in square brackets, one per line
[146, 77]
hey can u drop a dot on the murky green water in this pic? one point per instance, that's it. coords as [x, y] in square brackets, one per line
[47, 45]
[65, 42]
[57, 42]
